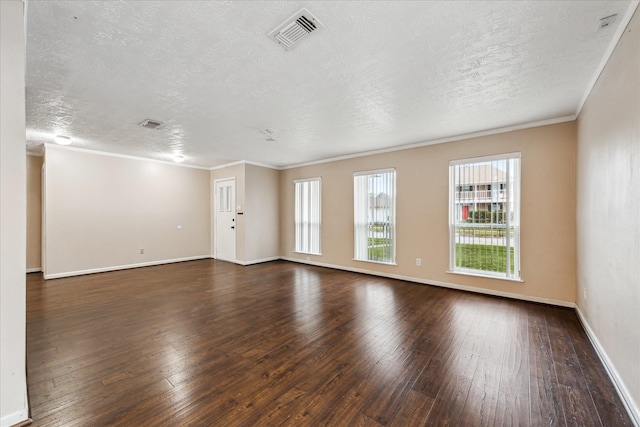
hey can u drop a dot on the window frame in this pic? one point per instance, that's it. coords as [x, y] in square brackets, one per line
[295, 215]
[513, 202]
[392, 221]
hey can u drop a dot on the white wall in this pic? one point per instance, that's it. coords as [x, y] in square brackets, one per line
[608, 214]
[101, 210]
[262, 224]
[13, 215]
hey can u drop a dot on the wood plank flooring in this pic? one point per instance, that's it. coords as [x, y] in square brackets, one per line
[209, 343]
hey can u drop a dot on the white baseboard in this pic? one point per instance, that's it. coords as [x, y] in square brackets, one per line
[438, 283]
[14, 418]
[618, 383]
[34, 270]
[123, 267]
[251, 262]
[258, 261]
[334, 266]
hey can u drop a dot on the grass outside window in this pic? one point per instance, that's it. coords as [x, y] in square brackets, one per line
[379, 249]
[483, 257]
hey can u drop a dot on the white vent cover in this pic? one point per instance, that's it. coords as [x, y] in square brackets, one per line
[151, 124]
[294, 29]
[607, 21]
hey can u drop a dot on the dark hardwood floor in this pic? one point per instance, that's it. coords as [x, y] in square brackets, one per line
[208, 343]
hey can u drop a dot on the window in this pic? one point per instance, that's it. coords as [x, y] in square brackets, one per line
[307, 215]
[484, 224]
[374, 207]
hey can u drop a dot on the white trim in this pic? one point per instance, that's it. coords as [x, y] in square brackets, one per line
[316, 178]
[374, 171]
[227, 165]
[618, 383]
[244, 162]
[461, 137]
[25, 12]
[486, 276]
[123, 267]
[395, 264]
[49, 145]
[15, 418]
[622, 27]
[474, 289]
[232, 261]
[262, 165]
[257, 261]
[492, 157]
[34, 270]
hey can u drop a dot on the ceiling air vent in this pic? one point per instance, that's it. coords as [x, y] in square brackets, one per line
[607, 21]
[151, 124]
[294, 29]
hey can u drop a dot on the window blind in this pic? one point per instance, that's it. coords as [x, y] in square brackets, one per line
[307, 216]
[374, 215]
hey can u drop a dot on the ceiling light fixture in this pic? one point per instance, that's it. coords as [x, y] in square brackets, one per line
[178, 159]
[63, 140]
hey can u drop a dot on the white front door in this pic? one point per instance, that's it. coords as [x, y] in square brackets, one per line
[225, 220]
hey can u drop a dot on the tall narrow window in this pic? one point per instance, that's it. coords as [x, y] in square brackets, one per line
[374, 207]
[307, 215]
[484, 216]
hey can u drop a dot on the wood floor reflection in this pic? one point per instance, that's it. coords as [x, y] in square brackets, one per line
[209, 343]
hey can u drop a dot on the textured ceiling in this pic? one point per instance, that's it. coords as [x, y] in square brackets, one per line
[378, 75]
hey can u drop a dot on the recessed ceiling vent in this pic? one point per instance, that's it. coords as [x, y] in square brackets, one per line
[151, 124]
[294, 29]
[607, 21]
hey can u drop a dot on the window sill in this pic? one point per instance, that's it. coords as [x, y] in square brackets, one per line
[486, 276]
[376, 262]
[308, 253]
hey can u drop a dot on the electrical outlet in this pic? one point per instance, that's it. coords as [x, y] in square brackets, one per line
[585, 294]
[419, 262]
[141, 251]
[308, 258]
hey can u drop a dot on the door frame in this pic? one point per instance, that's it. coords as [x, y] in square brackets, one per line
[43, 219]
[214, 217]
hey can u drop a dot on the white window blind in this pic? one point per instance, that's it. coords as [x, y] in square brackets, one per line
[484, 216]
[307, 215]
[374, 207]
